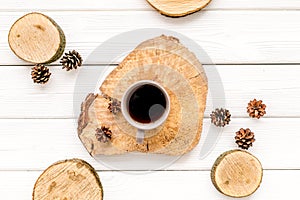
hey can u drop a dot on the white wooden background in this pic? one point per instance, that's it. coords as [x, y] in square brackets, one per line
[256, 46]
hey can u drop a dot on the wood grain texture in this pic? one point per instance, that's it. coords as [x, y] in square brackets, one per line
[229, 37]
[35, 144]
[18, 185]
[237, 173]
[138, 5]
[55, 100]
[177, 8]
[68, 179]
[36, 38]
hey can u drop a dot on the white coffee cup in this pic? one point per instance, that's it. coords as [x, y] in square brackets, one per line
[155, 109]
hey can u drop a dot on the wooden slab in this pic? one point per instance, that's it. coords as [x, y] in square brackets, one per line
[67, 180]
[163, 60]
[178, 8]
[237, 173]
[36, 38]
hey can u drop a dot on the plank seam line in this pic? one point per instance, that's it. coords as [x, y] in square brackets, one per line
[75, 118]
[208, 64]
[150, 171]
[152, 10]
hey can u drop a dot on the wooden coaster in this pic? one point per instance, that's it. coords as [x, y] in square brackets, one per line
[237, 173]
[178, 8]
[69, 179]
[36, 38]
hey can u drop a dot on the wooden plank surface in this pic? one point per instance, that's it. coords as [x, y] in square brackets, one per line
[159, 185]
[137, 5]
[256, 46]
[227, 36]
[22, 99]
[35, 144]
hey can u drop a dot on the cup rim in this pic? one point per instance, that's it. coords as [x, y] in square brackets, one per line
[136, 124]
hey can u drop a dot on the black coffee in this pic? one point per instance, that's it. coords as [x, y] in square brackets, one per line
[147, 104]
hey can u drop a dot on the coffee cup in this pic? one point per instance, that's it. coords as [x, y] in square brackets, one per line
[145, 105]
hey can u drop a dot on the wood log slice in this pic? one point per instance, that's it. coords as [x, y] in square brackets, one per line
[68, 180]
[164, 60]
[178, 8]
[237, 173]
[36, 38]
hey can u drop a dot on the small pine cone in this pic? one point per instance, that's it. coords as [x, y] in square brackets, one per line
[71, 60]
[103, 134]
[220, 117]
[244, 138]
[114, 106]
[256, 109]
[40, 74]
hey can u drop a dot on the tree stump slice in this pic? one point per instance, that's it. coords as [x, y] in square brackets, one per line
[178, 8]
[36, 38]
[237, 174]
[68, 180]
[164, 60]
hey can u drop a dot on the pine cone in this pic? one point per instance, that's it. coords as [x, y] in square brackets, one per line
[220, 117]
[244, 138]
[71, 60]
[40, 74]
[256, 109]
[114, 106]
[103, 134]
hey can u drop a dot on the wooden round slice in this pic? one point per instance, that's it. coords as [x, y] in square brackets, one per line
[36, 38]
[69, 179]
[164, 60]
[178, 8]
[237, 173]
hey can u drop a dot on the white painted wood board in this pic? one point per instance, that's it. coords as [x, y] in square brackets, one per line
[278, 86]
[137, 5]
[228, 37]
[33, 144]
[256, 47]
[192, 185]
